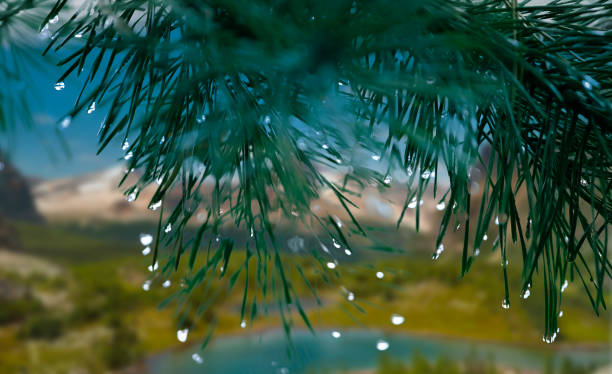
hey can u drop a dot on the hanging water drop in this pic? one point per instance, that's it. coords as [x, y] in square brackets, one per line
[166, 283]
[197, 358]
[146, 239]
[125, 145]
[65, 122]
[413, 203]
[153, 267]
[146, 285]
[336, 244]
[331, 265]
[350, 296]
[505, 304]
[501, 219]
[380, 275]
[348, 252]
[376, 157]
[169, 228]
[92, 108]
[397, 319]
[181, 335]
[325, 146]
[427, 174]
[382, 345]
[526, 294]
[54, 20]
[485, 237]
[438, 252]
[59, 86]
[564, 285]
[336, 334]
[146, 251]
[387, 179]
[131, 197]
[155, 205]
[441, 205]
[476, 251]
[128, 155]
[560, 313]
[243, 324]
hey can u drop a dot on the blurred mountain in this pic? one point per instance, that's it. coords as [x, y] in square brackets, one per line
[16, 202]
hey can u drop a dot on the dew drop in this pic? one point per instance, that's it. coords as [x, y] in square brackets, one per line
[155, 205]
[427, 174]
[146, 239]
[125, 145]
[331, 265]
[397, 319]
[181, 335]
[128, 156]
[197, 358]
[382, 345]
[295, 244]
[131, 197]
[348, 252]
[54, 20]
[380, 275]
[376, 157]
[336, 334]
[153, 267]
[583, 182]
[441, 205]
[243, 324]
[59, 86]
[387, 179]
[501, 219]
[526, 294]
[476, 251]
[586, 84]
[65, 122]
[336, 244]
[146, 251]
[505, 304]
[485, 237]
[350, 296]
[560, 313]
[146, 285]
[564, 285]
[92, 108]
[169, 228]
[413, 203]
[166, 283]
[325, 146]
[438, 252]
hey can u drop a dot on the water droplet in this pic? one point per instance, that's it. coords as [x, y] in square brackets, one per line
[476, 251]
[387, 179]
[348, 252]
[301, 144]
[566, 239]
[331, 265]
[485, 237]
[125, 145]
[59, 86]
[586, 84]
[146, 239]
[382, 345]
[78, 35]
[146, 251]
[243, 324]
[376, 157]
[584, 182]
[397, 319]
[166, 283]
[441, 205]
[350, 296]
[325, 146]
[430, 80]
[427, 174]
[413, 203]
[504, 263]
[153, 267]
[438, 252]
[284, 370]
[338, 221]
[181, 335]
[54, 20]
[92, 108]
[505, 304]
[146, 285]
[560, 313]
[65, 122]
[295, 244]
[131, 197]
[324, 248]
[564, 285]
[155, 205]
[380, 275]
[197, 358]
[169, 228]
[336, 334]
[128, 155]
[526, 294]
[336, 244]
[501, 219]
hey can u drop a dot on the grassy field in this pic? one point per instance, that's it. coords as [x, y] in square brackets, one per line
[94, 314]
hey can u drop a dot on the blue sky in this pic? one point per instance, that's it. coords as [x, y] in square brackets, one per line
[38, 152]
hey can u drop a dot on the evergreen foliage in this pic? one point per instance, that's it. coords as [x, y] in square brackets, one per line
[260, 97]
